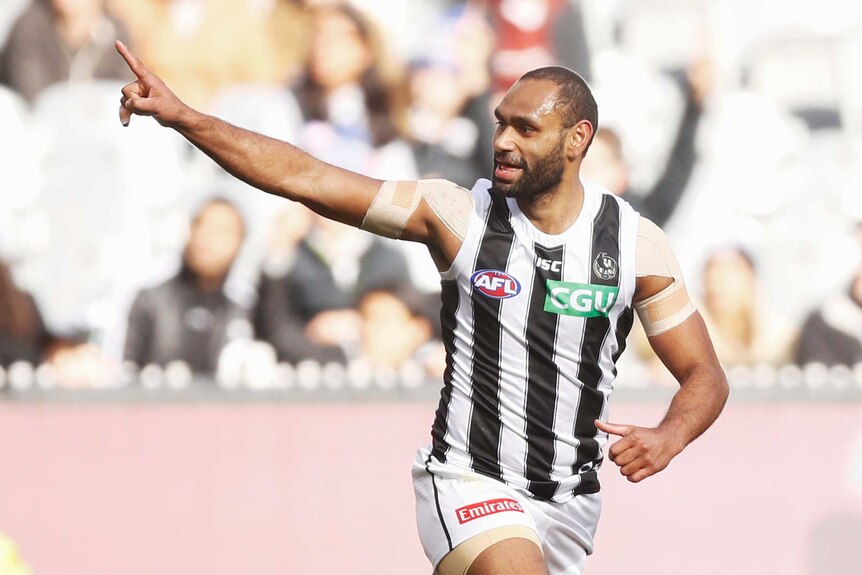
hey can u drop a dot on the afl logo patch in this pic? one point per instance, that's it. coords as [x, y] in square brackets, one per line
[604, 266]
[495, 284]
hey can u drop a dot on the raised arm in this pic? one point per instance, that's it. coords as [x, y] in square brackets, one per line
[679, 337]
[275, 166]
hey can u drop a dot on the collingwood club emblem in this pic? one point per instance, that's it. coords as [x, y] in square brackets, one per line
[604, 266]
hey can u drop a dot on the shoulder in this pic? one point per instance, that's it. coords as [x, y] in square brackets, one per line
[438, 192]
[33, 20]
[453, 204]
[152, 294]
[599, 191]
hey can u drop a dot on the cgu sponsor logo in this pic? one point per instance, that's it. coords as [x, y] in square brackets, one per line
[484, 508]
[581, 300]
[495, 284]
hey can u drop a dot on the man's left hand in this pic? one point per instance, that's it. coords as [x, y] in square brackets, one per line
[642, 451]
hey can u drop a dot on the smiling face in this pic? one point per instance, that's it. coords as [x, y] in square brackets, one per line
[530, 154]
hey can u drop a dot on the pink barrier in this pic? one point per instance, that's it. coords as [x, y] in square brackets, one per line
[325, 489]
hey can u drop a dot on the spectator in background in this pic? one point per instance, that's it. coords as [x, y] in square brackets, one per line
[205, 46]
[743, 330]
[445, 141]
[58, 40]
[189, 317]
[23, 336]
[72, 361]
[313, 277]
[277, 318]
[350, 106]
[606, 163]
[397, 328]
[535, 33]
[832, 334]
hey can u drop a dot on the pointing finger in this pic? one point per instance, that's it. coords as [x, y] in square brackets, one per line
[613, 428]
[133, 61]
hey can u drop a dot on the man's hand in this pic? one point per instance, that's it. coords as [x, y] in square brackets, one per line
[148, 95]
[642, 451]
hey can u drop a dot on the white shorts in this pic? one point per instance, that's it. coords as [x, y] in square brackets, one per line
[453, 505]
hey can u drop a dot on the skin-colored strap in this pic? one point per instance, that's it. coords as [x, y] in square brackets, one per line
[459, 560]
[396, 202]
[672, 305]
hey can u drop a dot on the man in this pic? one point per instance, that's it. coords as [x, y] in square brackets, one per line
[188, 317]
[832, 333]
[54, 41]
[539, 276]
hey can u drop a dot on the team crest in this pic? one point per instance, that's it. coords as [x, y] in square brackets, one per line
[604, 266]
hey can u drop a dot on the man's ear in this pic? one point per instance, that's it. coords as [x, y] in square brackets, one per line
[579, 138]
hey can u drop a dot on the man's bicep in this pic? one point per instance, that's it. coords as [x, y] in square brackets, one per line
[336, 193]
[685, 347]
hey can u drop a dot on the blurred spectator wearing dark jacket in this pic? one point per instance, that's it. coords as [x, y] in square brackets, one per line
[832, 334]
[446, 142]
[189, 317]
[58, 40]
[23, 336]
[315, 274]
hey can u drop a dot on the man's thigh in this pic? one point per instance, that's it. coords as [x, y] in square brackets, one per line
[500, 551]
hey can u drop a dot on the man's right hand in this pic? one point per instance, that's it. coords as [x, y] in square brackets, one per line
[148, 95]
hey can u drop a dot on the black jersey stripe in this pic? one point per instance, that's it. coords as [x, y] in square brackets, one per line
[448, 312]
[624, 326]
[543, 375]
[605, 240]
[483, 436]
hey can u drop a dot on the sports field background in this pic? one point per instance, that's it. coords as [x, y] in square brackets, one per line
[176, 487]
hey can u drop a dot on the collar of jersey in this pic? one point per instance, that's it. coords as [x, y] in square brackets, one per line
[525, 229]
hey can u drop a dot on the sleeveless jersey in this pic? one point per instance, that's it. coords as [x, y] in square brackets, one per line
[533, 325]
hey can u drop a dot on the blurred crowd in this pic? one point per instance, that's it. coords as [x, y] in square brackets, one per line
[126, 255]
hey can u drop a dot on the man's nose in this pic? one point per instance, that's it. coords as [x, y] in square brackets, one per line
[503, 140]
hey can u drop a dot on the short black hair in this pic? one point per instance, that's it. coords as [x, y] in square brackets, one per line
[575, 94]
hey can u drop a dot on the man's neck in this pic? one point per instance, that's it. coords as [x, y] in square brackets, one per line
[555, 211]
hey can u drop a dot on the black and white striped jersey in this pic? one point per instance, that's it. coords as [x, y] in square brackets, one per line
[533, 325]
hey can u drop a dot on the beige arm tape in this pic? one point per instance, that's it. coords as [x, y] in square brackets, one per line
[396, 202]
[459, 560]
[672, 305]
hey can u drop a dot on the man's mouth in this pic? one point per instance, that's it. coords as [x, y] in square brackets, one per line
[506, 170]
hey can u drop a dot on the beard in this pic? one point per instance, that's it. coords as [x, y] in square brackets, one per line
[535, 181]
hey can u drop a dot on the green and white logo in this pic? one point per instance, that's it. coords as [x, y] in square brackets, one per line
[581, 300]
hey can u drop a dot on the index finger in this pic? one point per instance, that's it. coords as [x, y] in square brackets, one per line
[133, 61]
[613, 428]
